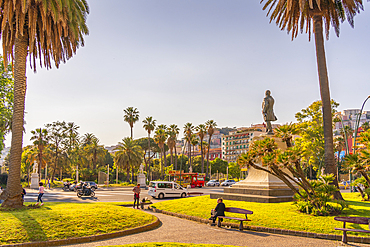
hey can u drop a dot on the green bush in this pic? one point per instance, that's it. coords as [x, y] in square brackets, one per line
[321, 202]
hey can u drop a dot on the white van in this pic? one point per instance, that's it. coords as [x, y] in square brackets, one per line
[161, 189]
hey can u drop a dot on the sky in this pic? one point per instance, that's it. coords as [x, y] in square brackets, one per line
[192, 61]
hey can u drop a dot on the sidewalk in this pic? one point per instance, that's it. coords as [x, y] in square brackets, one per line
[184, 231]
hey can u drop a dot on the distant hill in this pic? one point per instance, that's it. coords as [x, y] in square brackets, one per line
[226, 130]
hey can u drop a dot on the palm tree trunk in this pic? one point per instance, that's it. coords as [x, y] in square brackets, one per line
[330, 166]
[128, 172]
[209, 147]
[189, 150]
[12, 194]
[171, 151]
[201, 154]
[147, 168]
[175, 158]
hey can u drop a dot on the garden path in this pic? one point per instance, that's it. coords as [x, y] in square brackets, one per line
[174, 229]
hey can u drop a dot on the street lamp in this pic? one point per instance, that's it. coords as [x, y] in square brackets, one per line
[357, 123]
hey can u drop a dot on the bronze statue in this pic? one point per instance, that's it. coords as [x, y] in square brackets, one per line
[268, 111]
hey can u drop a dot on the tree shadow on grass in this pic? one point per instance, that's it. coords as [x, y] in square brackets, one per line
[30, 224]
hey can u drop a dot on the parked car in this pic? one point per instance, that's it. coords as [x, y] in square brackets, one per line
[161, 189]
[228, 182]
[213, 183]
[92, 185]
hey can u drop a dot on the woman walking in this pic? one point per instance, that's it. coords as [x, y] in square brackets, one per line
[41, 193]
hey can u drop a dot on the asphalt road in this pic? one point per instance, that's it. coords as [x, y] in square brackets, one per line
[119, 194]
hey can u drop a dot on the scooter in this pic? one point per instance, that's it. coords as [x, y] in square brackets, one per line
[68, 187]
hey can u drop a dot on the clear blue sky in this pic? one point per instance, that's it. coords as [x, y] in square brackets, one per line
[191, 61]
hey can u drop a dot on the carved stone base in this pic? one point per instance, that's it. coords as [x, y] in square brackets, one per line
[141, 179]
[34, 181]
[259, 186]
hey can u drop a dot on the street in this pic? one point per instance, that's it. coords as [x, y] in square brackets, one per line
[114, 194]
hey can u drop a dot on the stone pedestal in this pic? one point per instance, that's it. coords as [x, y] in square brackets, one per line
[259, 186]
[141, 179]
[34, 181]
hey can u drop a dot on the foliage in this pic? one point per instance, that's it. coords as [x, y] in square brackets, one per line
[311, 133]
[67, 220]
[287, 165]
[234, 170]
[273, 215]
[218, 165]
[323, 203]
[6, 100]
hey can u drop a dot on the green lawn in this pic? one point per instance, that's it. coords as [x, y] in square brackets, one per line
[65, 220]
[273, 215]
[164, 244]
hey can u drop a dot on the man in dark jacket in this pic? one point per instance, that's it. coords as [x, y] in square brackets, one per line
[220, 210]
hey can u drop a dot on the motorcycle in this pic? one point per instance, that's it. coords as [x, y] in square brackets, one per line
[68, 187]
[85, 192]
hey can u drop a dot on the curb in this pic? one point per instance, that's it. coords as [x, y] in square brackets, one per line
[92, 238]
[353, 239]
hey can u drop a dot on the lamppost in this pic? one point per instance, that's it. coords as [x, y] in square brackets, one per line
[357, 124]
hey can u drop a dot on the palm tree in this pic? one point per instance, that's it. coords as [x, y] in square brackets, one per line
[211, 126]
[40, 140]
[129, 153]
[95, 150]
[131, 116]
[175, 132]
[149, 126]
[56, 138]
[201, 132]
[299, 14]
[365, 126]
[160, 138]
[194, 142]
[188, 131]
[48, 30]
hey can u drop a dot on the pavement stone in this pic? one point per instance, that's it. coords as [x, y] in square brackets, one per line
[178, 230]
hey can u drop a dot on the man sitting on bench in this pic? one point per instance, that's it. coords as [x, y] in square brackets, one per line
[220, 210]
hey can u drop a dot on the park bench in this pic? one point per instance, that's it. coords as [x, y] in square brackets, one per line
[237, 211]
[355, 220]
[195, 193]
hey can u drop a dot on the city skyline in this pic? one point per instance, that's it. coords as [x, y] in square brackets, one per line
[190, 62]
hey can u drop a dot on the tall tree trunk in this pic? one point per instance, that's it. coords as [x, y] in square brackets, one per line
[12, 194]
[132, 174]
[330, 166]
[171, 151]
[201, 154]
[189, 150]
[175, 158]
[128, 172]
[147, 168]
[209, 147]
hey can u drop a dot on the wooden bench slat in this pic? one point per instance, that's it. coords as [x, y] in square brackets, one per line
[351, 230]
[354, 220]
[238, 210]
[233, 218]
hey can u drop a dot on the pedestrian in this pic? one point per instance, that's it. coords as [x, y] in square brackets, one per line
[23, 193]
[137, 191]
[219, 211]
[41, 193]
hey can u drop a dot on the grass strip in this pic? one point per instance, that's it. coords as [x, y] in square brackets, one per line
[66, 220]
[165, 244]
[274, 215]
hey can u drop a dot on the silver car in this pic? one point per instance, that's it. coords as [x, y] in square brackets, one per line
[213, 183]
[228, 183]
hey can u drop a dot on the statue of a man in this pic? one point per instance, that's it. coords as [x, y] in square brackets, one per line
[141, 168]
[268, 111]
